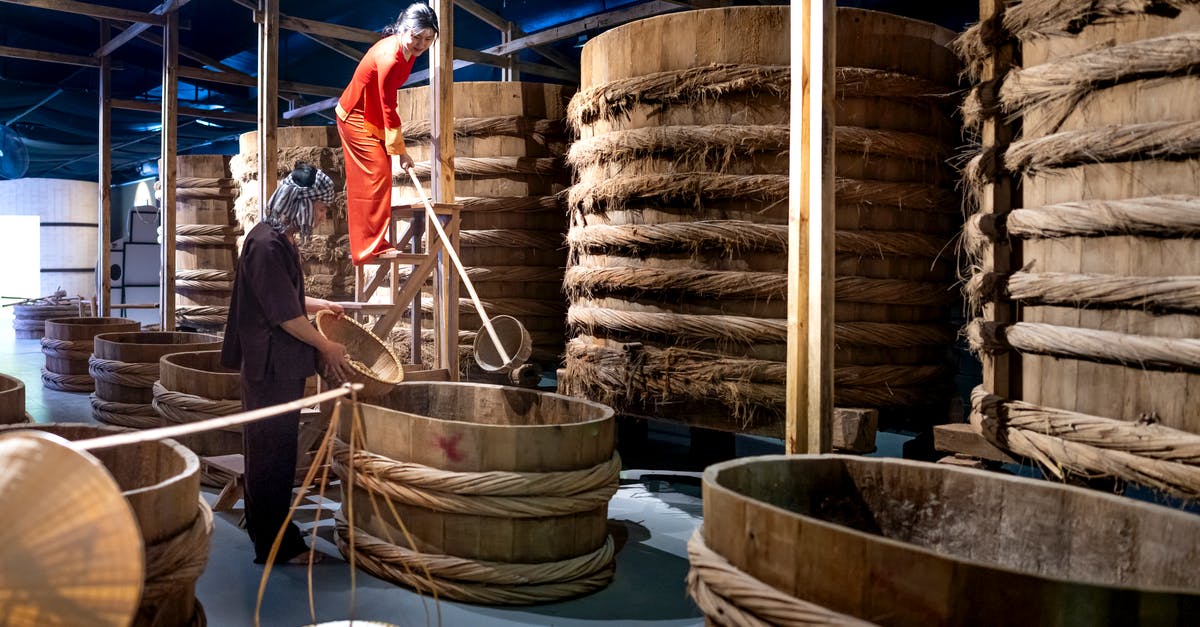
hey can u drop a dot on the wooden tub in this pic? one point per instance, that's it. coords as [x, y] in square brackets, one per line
[12, 400]
[68, 345]
[125, 367]
[456, 431]
[194, 386]
[909, 543]
[161, 482]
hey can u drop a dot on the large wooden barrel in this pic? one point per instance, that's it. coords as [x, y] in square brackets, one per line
[510, 140]
[29, 321]
[328, 272]
[161, 482]
[511, 480]
[205, 241]
[900, 542]
[68, 347]
[1087, 279]
[126, 366]
[194, 386]
[678, 270]
[12, 400]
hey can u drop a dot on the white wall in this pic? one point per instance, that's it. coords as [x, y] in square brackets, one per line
[57, 201]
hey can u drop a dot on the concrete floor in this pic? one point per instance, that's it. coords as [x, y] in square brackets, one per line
[651, 517]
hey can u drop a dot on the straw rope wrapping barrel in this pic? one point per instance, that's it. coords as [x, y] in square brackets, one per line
[1086, 275]
[732, 598]
[67, 349]
[135, 415]
[180, 408]
[499, 494]
[174, 565]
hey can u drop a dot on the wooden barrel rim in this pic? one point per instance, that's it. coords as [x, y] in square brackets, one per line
[723, 494]
[122, 338]
[606, 413]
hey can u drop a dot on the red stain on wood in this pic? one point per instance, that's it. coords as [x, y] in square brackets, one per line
[449, 446]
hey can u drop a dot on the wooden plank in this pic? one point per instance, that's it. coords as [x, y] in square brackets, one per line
[961, 438]
[441, 64]
[314, 27]
[853, 430]
[416, 279]
[155, 107]
[481, 12]
[166, 169]
[104, 174]
[809, 413]
[1000, 370]
[495, 60]
[137, 29]
[92, 10]
[350, 52]
[10, 52]
[594, 22]
[268, 95]
[245, 80]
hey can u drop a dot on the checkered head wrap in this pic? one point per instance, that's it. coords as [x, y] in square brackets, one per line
[292, 203]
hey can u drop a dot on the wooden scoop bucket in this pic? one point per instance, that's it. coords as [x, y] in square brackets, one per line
[511, 345]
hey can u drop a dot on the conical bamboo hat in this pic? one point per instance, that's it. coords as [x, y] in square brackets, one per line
[70, 550]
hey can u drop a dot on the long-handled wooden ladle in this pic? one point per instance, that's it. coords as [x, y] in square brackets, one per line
[462, 272]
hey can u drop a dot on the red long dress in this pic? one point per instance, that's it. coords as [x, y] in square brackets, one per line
[370, 130]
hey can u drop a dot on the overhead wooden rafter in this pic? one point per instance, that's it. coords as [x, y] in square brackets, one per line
[93, 10]
[134, 30]
[156, 106]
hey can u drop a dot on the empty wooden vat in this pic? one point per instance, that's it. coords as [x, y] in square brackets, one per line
[161, 482]
[125, 367]
[29, 321]
[840, 540]
[68, 346]
[503, 491]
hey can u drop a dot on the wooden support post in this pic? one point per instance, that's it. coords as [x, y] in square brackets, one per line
[810, 231]
[1000, 370]
[268, 96]
[166, 168]
[512, 72]
[104, 206]
[441, 74]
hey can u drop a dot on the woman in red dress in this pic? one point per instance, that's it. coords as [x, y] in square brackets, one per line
[370, 128]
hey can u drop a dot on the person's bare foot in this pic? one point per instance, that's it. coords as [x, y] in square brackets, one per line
[302, 559]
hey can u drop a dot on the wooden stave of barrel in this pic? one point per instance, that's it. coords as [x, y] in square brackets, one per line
[194, 386]
[12, 401]
[1060, 360]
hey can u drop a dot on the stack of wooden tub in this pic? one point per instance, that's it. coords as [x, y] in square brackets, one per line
[205, 241]
[126, 366]
[68, 346]
[1085, 257]
[480, 493]
[161, 482]
[29, 321]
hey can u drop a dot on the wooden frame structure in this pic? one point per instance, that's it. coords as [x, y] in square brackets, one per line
[810, 230]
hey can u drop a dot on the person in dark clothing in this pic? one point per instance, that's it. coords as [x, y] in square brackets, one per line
[270, 340]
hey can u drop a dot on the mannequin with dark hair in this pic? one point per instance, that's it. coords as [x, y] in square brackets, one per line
[270, 341]
[370, 128]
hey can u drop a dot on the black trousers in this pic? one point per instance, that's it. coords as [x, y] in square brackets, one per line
[270, 452]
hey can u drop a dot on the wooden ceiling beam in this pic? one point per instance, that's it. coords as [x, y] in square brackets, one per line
[578, 27]
[483, 58]
[49, 57]
[136, 29]
[93, 10]
[191, 112]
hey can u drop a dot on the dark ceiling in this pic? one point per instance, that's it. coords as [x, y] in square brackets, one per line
[54, 106]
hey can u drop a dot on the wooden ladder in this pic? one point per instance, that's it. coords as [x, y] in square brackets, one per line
[423, 258]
